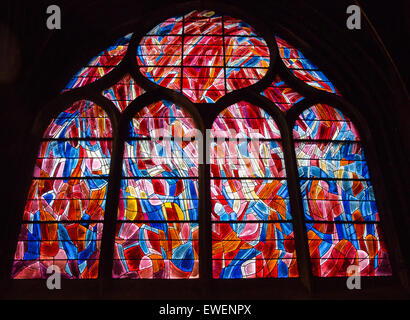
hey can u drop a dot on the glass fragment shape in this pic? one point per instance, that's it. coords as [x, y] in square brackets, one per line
[101, 64]
[281, 94]
[123, 92]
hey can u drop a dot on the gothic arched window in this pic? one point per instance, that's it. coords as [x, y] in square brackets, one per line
[266, 203]
[157, 226]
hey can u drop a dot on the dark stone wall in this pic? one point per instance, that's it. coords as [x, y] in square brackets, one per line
[371, 69]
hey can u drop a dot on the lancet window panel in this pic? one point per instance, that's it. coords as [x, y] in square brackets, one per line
[342, 219]
[252, 231]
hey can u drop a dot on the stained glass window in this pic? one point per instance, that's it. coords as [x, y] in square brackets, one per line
[101, 64]
[123, 92]
[252, 232]
[204, 55]
[302, 68]
[282, 95]
[63, 217]
[157, 228]
[342, 220]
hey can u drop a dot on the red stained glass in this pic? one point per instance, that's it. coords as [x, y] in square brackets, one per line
[62, 221]
[334, 248]
[282, 95]
[253, 250]
[100, 65]
[201, 55]
[84, 119]
[341, 214]
[153, 238]
[156, 251]
[244, 120]
[247, 196]
[123, 92]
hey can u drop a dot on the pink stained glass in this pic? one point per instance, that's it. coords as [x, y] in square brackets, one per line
[169, 27]
[72, 247]
[84, 119]
[342, 220]
[203, 23]
[282, 95]
[248, 194]
[237, 27]
[56, 200]
[203, 84]
[156, 251]
[161, 158]
[64, 211]
[322, 122]
[162, 119]
[342, 160]
[335, 247]
[123, 92]
[236, 159]
[253, 250]
[246, 52]
[249, 200]
[157, 222]
[160, 51]
[168, 76]
[101, 64]
[302, 68]
[205, 63]
[73, 158]
[238, 78]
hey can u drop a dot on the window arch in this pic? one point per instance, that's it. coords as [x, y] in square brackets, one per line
[63, 218]
[203, 56]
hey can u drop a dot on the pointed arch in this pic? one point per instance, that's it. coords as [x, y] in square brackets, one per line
[252, 231]
[203, 54]
[64, 213]
[157, 221]
[341, 216]
[157, 225]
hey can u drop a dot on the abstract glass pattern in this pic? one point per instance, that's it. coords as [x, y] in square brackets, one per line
[252, 233]
[157, 222]
[302, 68]
[123, 92]
[342, 220]
[101, 64]
[282, 95]
[204, 55]
[64, 213]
